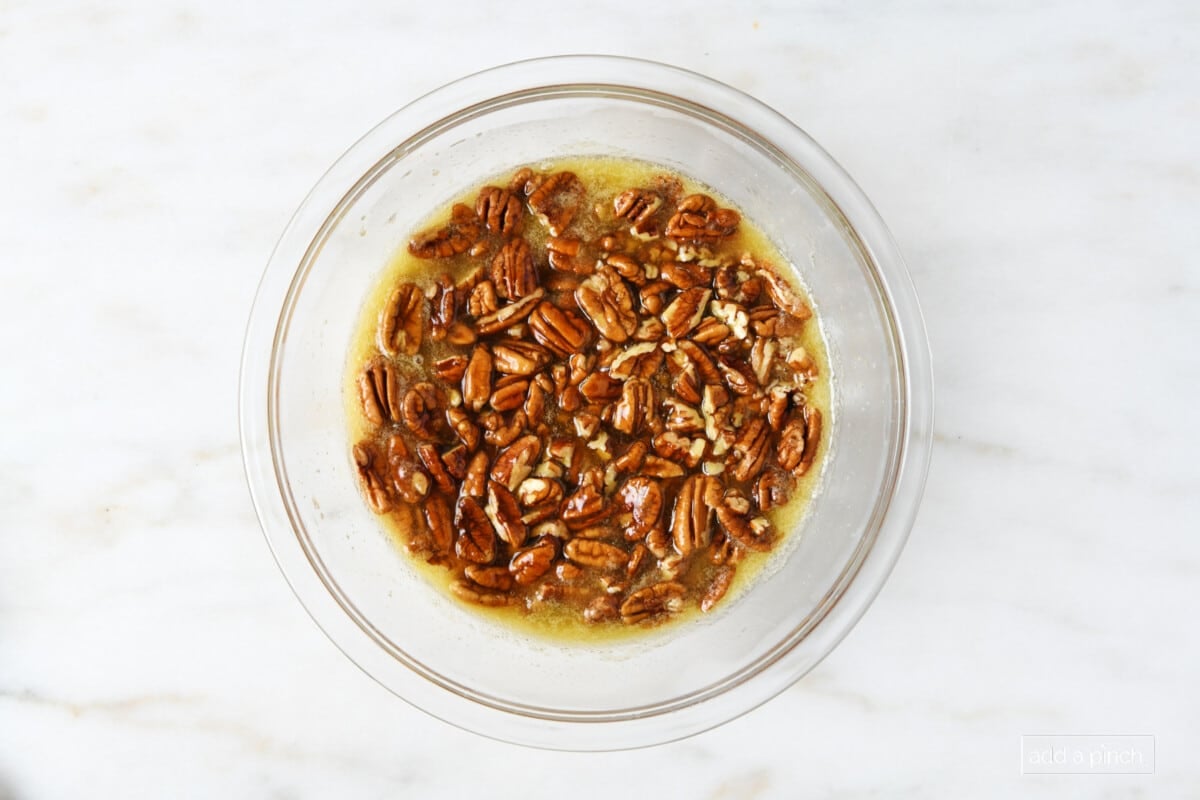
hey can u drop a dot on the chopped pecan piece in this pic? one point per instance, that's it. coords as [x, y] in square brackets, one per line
[599, 387]
[466, 430]
[604, 608]
[451, 368]
[509, 393]
[410, 481]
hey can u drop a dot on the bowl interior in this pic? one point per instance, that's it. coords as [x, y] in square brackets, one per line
[371, 579]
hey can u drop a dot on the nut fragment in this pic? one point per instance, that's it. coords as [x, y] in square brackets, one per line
[638, 207]
[497, 578]
[437, 518]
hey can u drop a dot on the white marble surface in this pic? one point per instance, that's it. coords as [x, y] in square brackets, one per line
[1038, 163]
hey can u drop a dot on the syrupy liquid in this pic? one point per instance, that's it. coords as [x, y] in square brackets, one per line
[562, 619]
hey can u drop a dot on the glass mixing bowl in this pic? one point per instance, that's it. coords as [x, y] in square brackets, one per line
[360, 588]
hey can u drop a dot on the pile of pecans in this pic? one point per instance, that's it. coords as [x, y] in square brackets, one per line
[601, 413]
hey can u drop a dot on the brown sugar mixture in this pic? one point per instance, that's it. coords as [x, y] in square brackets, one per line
[587, 395]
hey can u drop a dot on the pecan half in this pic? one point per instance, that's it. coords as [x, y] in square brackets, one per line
[476, 540]
[509, 315]
[451, 368]
[661, 598]
[600, 388]
[515, 462]
[477, 379]
[513, 272]
[509, 393]
[643, 498]
[466, 430]
[608, 303]
[441, 528]
[772, 489]
[460, 233]
[638, 206]
[604, 608]
[475, 482]
[498, 578]
[717, 588]
[470, 592]
[585, 508]
[636, 361]
[444, 309]
[699, 219]
[597, 554]
[685, 311]
[505, 514]
[373, 487]
[691, 518]
[812, 438]
[400, 322]
[483, 299]
[410, 481]
[379, 390]
[636, 408]
[540, 497]
[422, 410]
[519, 358]
[532, 562]
[783, 296]
[559, 329]
[685, 274]
[429, 456]
[499, 210]
[556, 199]
[751, 450]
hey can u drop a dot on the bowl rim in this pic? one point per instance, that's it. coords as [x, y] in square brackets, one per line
[283, 278]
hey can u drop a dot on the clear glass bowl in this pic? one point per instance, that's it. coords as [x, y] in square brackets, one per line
[360, 588]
